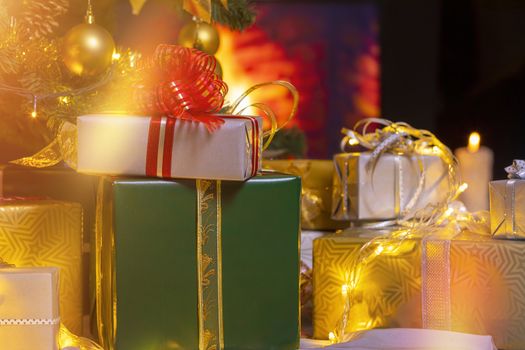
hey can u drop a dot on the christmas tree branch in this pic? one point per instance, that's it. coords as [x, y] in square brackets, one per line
[239, 15]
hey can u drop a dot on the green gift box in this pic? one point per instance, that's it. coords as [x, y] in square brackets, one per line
[198, 264]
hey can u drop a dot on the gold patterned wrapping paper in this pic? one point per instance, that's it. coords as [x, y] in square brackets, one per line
[332, 256]
[507, 208]
[47, 233]
[390, 190]
[316, 197]
[487, 287]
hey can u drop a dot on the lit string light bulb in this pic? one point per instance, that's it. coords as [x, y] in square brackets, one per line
[344, 290]
[332, 337]
[35, 101]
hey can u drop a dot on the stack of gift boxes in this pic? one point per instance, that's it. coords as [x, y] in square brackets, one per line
[169, 236]
[472, 281]
[174, 263]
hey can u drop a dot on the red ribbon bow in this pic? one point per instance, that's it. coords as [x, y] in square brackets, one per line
[180, 82]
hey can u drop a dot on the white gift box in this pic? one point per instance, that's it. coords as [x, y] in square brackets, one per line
[384, 193]
[169, 148]
[29, 311]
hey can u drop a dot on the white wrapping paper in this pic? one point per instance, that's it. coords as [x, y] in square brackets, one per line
[385, 192]
[118, 145]
[29, 316]
[507, 211]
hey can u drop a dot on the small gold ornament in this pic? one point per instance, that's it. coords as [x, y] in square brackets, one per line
[88, 48]
[201, 36]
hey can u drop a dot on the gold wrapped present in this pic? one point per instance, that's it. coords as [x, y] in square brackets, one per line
[393, 187]
[411, 289]
[333, 255]
[47, 233]
[29, 317]
[316, 176]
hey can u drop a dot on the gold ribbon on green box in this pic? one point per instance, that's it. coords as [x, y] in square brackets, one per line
[209, 265]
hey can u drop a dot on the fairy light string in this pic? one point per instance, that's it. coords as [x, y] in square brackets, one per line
[37, 97]
[398, 138]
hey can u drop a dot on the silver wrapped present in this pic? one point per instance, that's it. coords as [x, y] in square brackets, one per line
[507, 203]
[397, 186]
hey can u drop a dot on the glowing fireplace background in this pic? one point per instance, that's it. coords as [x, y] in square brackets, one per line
[329, 51]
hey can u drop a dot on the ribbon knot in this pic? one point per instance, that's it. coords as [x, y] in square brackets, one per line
[381, 136]
[516, 170]
[180, 82]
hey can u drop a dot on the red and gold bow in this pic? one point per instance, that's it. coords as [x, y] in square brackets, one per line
[180, 82]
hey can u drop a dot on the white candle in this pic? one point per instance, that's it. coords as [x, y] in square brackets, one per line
[475, 167]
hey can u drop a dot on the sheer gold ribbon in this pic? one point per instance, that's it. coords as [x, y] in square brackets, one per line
[209, 265]
[64, 146]
[265, 109]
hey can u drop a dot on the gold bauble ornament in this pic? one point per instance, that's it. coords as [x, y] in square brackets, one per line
[201, 36]
[87, 49]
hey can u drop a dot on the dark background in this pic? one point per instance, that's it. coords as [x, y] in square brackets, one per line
[454, 66]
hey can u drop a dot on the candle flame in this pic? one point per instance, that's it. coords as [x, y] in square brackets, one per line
[473, 142]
